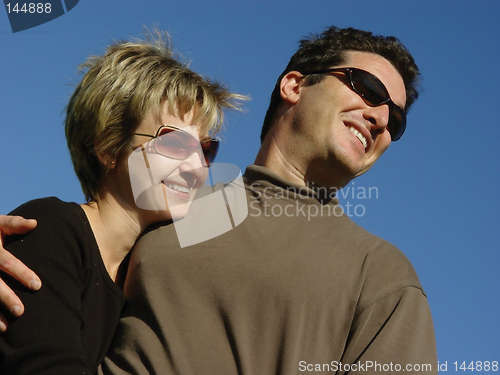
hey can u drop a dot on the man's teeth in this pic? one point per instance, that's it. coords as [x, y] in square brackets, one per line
[182, 189]
[359, 135]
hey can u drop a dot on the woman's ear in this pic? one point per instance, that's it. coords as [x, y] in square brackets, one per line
[106, 161]
[290, 87]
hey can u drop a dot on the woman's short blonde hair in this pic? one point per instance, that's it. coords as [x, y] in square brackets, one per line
[117, 91]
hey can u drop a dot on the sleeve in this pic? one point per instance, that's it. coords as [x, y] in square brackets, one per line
[394, 334]
[392, 329]
[46, 339]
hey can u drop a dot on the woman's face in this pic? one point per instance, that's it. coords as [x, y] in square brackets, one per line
[165, 172]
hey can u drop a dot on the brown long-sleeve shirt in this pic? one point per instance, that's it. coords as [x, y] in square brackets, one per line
[296, 287]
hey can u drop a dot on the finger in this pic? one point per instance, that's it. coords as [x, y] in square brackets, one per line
[9, 263]
[15, 268]
[10, 300]
[16, 225]
[3, 323]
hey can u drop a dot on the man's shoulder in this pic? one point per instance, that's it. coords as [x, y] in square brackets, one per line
[386, 270]
[381, 261]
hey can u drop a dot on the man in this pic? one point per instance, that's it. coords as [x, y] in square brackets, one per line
[297, 287]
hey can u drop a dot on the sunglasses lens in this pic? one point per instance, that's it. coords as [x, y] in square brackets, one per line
[174, 144]
[374, 92]
[397, 123]
[369, 87]
[210, 149]
[177, 144]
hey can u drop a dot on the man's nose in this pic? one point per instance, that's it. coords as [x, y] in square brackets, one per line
[378, 116]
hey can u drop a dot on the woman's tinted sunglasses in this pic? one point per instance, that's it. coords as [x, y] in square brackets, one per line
[374, 93]
[175, 143]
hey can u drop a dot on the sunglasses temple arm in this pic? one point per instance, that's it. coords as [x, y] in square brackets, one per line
[147, 165]
[164, 194]
[151, 177]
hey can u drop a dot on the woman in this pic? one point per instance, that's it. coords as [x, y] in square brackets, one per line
[137, 112]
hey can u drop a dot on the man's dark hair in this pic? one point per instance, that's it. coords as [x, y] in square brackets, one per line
[327, 50]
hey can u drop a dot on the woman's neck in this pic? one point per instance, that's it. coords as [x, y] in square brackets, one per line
[115, 230]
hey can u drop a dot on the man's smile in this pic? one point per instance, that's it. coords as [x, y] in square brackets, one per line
[360, 136]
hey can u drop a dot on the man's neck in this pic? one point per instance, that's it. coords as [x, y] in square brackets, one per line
[272, 157]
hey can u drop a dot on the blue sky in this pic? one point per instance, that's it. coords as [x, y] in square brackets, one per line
[437, 187]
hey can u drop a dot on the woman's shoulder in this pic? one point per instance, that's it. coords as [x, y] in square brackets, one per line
[62, 236]
[43, 204]
[50, 208]
[54, 218]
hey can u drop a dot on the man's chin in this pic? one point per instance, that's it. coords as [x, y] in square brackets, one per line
[367, 165]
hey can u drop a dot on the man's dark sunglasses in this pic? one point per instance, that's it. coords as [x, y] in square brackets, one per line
[175, 143]
[374, 93]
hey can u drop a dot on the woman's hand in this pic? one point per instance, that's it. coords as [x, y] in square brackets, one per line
[14, 267]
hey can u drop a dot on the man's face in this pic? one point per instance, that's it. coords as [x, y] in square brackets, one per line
[335, 135]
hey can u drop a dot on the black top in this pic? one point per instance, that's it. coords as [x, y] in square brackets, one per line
[69, 323]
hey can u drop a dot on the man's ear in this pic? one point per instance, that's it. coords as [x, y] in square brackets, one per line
[290, 87]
